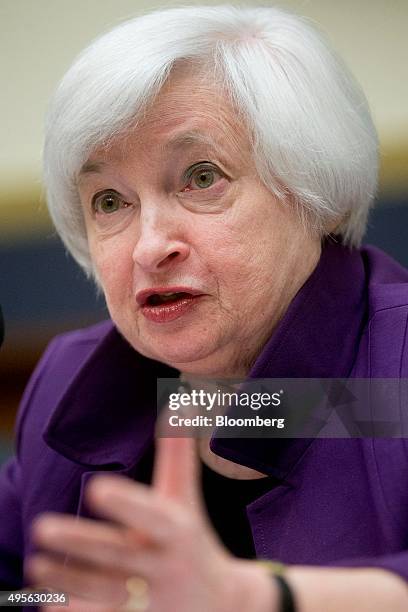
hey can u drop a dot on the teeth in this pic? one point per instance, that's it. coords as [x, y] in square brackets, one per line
[157, 299]
[165, 297]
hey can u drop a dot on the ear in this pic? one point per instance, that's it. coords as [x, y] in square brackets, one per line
[332, 226]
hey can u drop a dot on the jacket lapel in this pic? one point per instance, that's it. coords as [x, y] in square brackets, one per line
[105, 419]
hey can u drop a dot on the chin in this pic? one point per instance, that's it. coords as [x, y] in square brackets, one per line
[187, 355]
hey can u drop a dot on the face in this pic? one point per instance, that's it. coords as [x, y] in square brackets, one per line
[176, 206]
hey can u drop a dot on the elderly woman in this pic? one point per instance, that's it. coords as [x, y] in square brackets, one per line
[212, 169]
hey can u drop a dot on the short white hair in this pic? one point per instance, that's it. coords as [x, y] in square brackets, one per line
[313, 139]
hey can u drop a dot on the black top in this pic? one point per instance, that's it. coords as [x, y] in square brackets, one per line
[226, 500]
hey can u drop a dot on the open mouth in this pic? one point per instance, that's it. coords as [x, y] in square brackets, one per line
[161, 306]
[166, 306]
[158, 299]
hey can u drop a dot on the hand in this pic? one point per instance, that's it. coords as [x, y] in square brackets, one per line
[160, 534]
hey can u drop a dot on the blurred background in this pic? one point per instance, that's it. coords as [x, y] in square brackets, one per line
[42, 291]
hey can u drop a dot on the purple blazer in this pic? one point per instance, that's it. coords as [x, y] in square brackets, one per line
[90, 406]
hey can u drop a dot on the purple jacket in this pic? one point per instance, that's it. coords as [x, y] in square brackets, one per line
[90, 406]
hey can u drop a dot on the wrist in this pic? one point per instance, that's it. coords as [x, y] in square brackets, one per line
[278, 572]
[252, 588]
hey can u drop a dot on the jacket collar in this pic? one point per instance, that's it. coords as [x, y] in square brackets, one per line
[107, 415]
[317, 338]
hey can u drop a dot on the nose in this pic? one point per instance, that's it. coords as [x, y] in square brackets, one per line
[160, 243]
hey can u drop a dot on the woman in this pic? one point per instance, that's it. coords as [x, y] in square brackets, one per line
[212, 169]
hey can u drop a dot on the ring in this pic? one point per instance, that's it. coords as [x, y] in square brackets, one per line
[138, 599]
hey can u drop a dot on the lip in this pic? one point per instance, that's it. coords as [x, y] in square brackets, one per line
[166, 312]
[143, 296]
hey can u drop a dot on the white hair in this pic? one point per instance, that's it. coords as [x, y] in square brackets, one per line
[312, 135]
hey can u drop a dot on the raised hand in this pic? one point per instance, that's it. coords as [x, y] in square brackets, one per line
[156, 543]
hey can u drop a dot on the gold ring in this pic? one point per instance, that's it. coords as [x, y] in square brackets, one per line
[138, 599]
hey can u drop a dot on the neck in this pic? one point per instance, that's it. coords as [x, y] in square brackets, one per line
[225, 467]
[218, 464]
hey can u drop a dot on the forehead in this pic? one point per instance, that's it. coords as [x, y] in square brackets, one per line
[189, 111]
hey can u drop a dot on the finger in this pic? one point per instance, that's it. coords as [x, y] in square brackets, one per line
[136, 506]
[176, 470]
[77, 604]
[94, 543]
[78, 580]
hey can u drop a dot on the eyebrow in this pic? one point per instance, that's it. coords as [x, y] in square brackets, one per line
[178, 141]
[192, 137]
[89, 167]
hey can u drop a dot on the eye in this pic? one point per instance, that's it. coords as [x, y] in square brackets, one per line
[108, 202]
[201, 176]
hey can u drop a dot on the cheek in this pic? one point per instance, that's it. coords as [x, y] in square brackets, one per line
[233, 259]
[239, 245]
[114, 267]
[254, 252]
